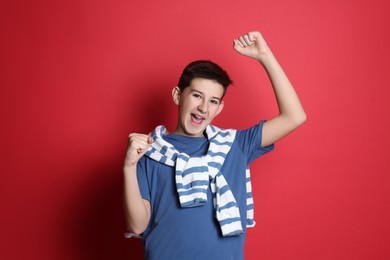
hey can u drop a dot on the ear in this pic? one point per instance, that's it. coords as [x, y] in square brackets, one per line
[220, 107]
[176, 95]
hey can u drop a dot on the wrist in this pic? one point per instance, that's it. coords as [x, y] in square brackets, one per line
[129, 167]
[267, 59]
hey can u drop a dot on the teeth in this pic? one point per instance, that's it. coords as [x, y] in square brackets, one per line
[197, 118]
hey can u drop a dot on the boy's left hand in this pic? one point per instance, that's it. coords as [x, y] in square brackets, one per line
[252, 45]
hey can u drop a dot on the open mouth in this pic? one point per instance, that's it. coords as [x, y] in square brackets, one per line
[197, 119]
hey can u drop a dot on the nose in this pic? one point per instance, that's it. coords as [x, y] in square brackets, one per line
[203, 106]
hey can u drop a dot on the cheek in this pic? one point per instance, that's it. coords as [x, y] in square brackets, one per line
[214, 111]
[185, 107]
[188, 104]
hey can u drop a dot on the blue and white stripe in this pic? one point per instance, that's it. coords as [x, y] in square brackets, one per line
[195, 174]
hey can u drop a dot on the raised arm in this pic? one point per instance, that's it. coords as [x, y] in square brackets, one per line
[291, 113]
[137, 209]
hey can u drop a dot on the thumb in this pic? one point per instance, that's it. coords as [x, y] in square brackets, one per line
[236, 45]
[149, 141]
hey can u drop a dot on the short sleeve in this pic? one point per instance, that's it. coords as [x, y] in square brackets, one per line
[249, 141]
[142, 177]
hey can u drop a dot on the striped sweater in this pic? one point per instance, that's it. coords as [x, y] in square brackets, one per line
[194, 175]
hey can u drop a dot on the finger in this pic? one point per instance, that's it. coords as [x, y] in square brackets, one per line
[134, 154]
[140, 150]
[150, 140]
[139, 142]
[237, 44]
[144, 147]
[138, 137]
[254, 36]
[250, 37]
[247, 39]
[242, 41]
[137, 147]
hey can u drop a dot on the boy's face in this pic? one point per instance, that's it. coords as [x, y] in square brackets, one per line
[198, 104]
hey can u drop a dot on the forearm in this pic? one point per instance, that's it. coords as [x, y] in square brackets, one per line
[137, 210]
[289, 105]
[291, 113]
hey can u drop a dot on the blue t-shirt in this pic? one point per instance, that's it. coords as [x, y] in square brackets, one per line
[194, 233]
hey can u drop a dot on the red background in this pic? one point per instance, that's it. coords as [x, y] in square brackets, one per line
[78, 76]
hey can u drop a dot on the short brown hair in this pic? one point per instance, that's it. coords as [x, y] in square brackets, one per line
[204, 69]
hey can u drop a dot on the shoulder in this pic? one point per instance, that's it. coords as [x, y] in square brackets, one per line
[251, 132]
[249, 141]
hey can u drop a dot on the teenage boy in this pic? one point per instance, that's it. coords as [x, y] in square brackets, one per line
[188, 192]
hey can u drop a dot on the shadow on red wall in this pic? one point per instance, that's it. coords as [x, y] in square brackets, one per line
[97, 223]
[95, 209]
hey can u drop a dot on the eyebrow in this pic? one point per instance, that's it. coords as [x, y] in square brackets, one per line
[200, 92]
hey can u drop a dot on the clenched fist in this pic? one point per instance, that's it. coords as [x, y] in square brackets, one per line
[252, 45]
[137, 146]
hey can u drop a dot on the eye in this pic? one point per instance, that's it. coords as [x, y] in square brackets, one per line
[215, 101]
[196, 95]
